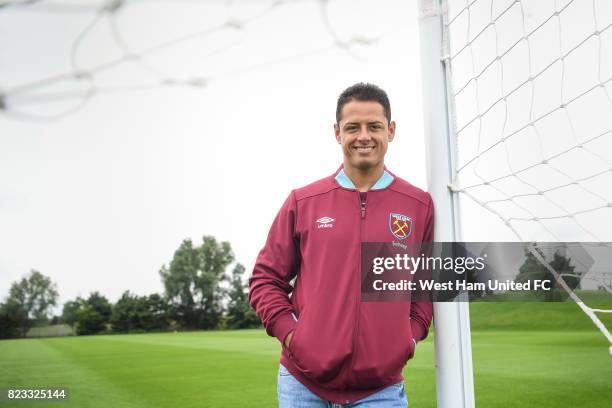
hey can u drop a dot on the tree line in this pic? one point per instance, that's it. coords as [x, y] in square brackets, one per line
[203, 289]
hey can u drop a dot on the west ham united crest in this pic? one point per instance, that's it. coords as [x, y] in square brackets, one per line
[400, 225]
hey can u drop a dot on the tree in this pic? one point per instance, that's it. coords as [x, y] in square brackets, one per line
[124, 315]
[154, 313]
[240, 315]
[139, 313]
[30, 300]
[561, 264]
[101, 305]
[191, 282]
[532, 270]
[93, 314]
[70, 310]
[11, 321]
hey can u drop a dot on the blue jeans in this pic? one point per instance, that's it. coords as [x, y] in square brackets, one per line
[292, 394]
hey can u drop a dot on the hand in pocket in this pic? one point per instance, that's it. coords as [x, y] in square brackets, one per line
[288, 339]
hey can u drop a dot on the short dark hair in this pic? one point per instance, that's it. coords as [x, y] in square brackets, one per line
[363, 92]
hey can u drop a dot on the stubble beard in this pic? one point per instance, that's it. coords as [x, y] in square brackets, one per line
[365, 166]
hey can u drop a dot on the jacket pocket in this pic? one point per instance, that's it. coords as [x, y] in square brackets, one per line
[318, 350]
[384, 344]
[411, 349]
[293, 338]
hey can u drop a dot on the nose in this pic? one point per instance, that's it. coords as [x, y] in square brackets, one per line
[364, 134]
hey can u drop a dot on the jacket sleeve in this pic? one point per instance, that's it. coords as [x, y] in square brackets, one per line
[275, 266]
[421, 312]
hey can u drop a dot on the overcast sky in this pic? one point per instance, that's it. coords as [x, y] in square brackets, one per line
[101, 198]
[128, 129]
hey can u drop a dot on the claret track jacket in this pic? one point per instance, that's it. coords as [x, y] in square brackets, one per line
[342, 349]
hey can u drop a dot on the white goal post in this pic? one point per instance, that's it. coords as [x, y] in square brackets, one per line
[454, 377]
[518, 126]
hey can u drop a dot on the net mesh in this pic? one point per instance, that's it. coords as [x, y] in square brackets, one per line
[530, 102]
[55, 97]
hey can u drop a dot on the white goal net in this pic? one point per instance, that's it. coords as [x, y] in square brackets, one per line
[529, 88]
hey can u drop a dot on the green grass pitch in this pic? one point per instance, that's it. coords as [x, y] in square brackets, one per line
[516, 364]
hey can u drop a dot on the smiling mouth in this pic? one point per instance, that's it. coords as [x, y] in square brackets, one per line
[363, 149]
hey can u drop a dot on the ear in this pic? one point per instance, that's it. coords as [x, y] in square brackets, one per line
[337, 132]
[391, 130]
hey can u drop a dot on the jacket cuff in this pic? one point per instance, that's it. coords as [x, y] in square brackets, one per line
[418, 332]
[283, 325]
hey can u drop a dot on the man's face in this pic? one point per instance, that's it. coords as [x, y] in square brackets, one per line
[364, 134]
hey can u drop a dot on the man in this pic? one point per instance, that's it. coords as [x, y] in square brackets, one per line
[337, 350]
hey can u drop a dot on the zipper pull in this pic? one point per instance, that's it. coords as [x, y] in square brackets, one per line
[363, 204]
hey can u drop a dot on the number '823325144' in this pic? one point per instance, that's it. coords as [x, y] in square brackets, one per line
[33, 394]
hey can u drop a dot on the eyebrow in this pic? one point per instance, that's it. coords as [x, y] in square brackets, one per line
[377, 122]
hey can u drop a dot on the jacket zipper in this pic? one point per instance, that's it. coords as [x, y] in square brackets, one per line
[363, 202]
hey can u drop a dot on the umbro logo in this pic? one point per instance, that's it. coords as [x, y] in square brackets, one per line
[325, 222]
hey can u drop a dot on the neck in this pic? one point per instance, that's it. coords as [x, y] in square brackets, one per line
[364, 179]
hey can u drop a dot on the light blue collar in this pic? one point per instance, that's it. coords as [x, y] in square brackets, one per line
[382, 182]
